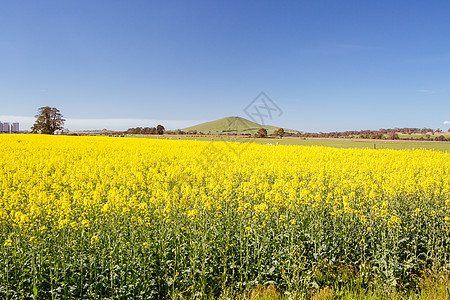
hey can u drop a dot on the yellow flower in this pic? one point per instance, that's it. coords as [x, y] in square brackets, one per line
[74, 225]
[77, 183]
[394, 221]
[94, 239]
[85, 223]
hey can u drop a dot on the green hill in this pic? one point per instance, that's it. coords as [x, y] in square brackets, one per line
[231, 125]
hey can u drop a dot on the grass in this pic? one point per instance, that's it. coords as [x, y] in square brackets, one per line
[419, 135]
[431, 287]
[335, 143]
[235, 125]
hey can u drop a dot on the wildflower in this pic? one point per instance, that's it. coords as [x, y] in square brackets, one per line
[8, 243]
[94, 239]
[85, 223]
[394, 221]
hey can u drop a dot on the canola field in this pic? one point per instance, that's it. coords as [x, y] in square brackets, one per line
[100, 217]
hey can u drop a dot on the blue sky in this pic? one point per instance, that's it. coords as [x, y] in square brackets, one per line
[329, 65]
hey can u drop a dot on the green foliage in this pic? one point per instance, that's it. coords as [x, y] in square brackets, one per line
[261, 133]
[48, 120]
[206, 257]
[279, 132]
[160, 129]
[146, 130]
[140, 130]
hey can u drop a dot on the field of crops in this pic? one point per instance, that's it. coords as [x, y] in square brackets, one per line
[332, 142]
[124, 218]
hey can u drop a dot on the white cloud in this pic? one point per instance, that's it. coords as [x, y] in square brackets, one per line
[447, 122]
[113, 124]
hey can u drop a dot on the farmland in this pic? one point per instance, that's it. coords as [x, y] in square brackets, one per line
[327, 142]
[101, 217]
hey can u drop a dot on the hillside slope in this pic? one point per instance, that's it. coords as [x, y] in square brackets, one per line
[231, 125]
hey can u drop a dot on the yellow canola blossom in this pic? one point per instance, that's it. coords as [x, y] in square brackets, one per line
[72, 183]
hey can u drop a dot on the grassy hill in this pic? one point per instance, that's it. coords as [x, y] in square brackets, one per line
[232, 125]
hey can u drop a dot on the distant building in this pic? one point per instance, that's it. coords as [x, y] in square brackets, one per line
[15, 127]
[6, 128]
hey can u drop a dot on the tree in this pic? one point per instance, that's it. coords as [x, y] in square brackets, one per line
[393, 135]
[280, 132]
[262, 133]
[160, 129]
[48, 120]
[376, 136]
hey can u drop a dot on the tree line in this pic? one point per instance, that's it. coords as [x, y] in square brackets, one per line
[50, 119]
[147, 130]
[261, 133]
[390, 134]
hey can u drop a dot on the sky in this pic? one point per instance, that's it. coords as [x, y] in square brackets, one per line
[325, 65]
